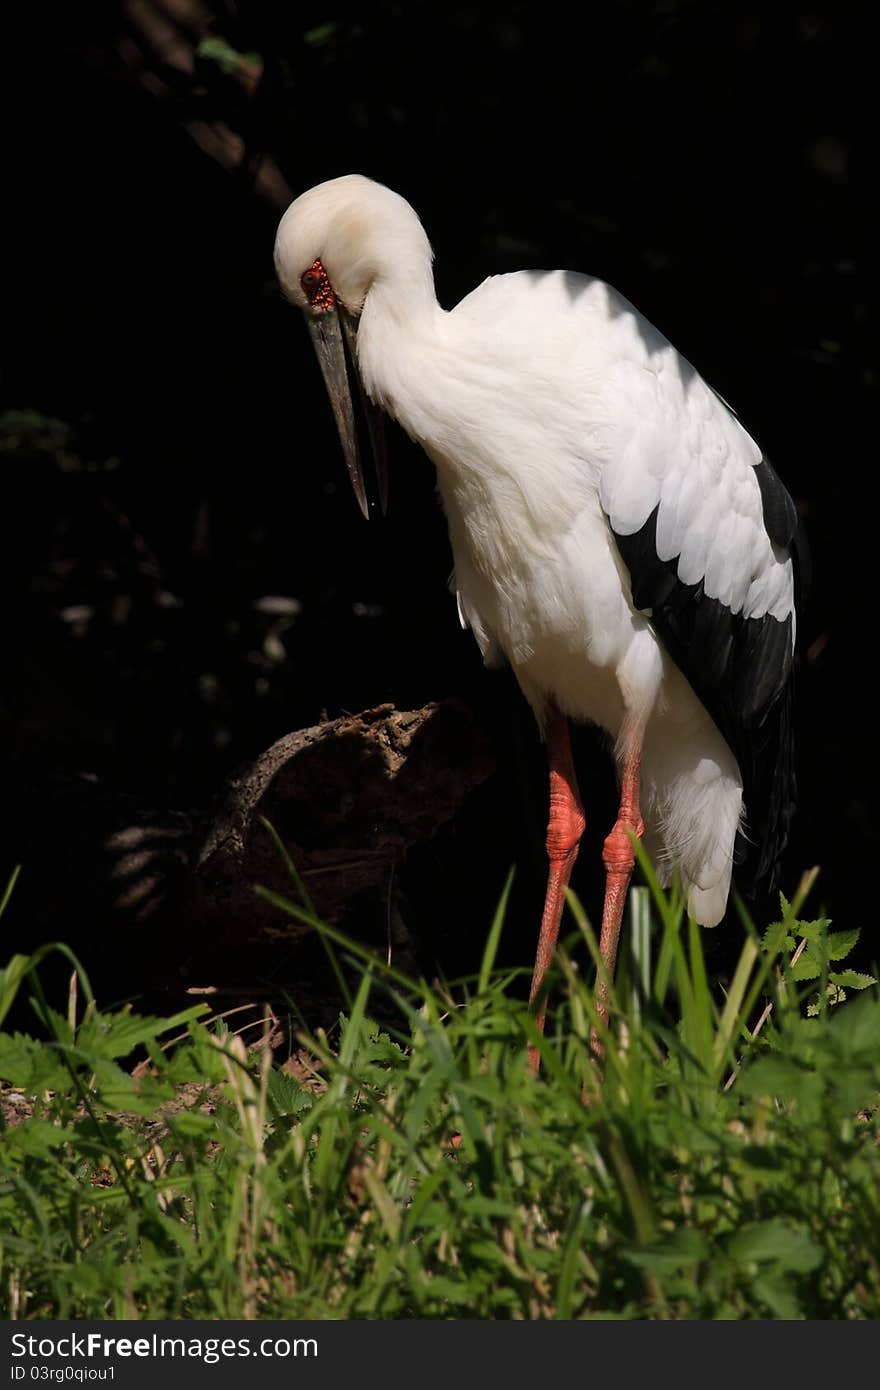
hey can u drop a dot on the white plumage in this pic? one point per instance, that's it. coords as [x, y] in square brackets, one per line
[567, 434]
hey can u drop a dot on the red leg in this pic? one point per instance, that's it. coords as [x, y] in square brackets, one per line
[564, 831]
[619, 857]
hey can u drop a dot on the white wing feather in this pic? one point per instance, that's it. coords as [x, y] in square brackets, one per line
[695, 464]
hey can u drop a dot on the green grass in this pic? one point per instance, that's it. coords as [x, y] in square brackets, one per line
[422, 1171]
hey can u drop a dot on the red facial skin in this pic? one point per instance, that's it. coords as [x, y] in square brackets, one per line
[317, 288]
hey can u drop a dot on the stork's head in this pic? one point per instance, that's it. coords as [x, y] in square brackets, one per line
[334, 243]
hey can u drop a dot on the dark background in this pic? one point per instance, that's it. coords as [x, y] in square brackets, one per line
[178, 462]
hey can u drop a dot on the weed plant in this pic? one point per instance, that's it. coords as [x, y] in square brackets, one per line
[722, 1162]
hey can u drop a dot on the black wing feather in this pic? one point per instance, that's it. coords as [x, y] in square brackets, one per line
[740, 668]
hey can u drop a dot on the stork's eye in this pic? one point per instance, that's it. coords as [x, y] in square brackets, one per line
[317, 288]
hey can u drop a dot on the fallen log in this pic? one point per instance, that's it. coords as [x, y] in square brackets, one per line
[348, 799]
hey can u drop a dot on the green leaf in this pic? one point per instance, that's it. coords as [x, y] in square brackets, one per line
[851, 979]
[33, 1066]
[776, 937]
[775, 1241]
[114, 1086]
[807, 966]
[450, 1290]
[216, 50]
[857, 1027]
[192, 1123]
[198, 1060]
[812, 931]
[781, 1077]
[855, 1087]
[117, 1035]
[8, 891]
[54, 1023]
[10, 982]
[38, 1137]
[668, 1255]
[117, 1090]
[286, 1096]
[840, 943]
[778, 1293]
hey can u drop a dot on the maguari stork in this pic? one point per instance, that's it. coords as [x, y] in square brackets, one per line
[618, 537]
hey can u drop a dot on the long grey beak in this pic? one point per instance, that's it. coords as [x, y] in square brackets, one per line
[330, 344]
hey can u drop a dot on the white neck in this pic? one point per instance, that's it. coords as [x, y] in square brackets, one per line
[399, 332]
